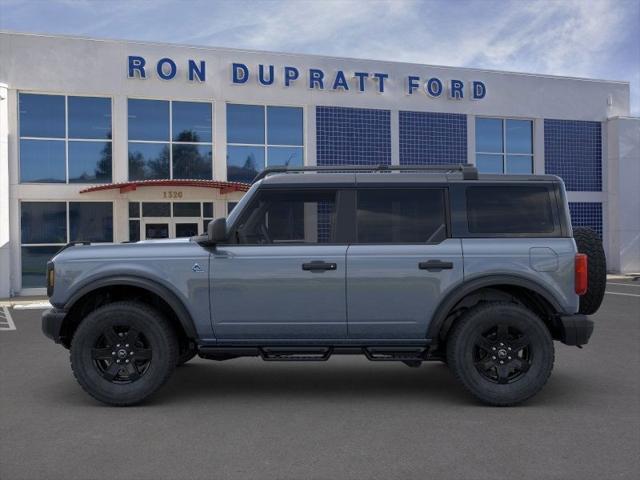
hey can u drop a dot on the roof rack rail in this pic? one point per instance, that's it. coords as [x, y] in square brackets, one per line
[469, 172]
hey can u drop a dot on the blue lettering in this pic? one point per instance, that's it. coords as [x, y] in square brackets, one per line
[479, 90]
[316, 77]
[161, 71]
[412, 84]
[381, 77]
[196, 72]
[136, 64]
[261, 79]
[290, 74]
[433, 87]
[362, 77]
[455, 89]
[238, 77]
[340, 81]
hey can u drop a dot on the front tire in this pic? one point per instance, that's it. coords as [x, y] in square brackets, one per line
[123, 352]
[501, 352]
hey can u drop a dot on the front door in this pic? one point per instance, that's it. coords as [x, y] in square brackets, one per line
[401, 264]
[284, 275]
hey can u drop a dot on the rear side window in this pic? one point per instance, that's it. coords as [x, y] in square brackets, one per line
[401, 216]
[509, 210]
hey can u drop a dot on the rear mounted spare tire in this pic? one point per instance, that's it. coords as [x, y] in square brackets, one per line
[589, 243]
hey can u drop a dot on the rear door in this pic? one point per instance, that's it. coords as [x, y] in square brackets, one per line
[401, 263]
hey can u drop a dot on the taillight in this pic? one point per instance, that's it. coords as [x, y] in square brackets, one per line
[582, 274]
[51, 278]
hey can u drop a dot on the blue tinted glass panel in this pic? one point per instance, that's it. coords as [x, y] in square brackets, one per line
[191, 122]
[91, 221]
[148, 161]
[245, 124]
[353, 136]
[34, 265]
[587, 214]
[43, 222]
[489, 135]
[244, 163]
[42, 161]
[432, 138]
[134, 230]
[156, 209]
[489, 163]
[89, 162]
[89, 117]
[519, 164]
[192, 161]
[207, 210]
[134, 210]
[573, 151]
[284, 126]
[41, 115]
[186, 209]
[287, 156]
[148, 120]
[519, 136]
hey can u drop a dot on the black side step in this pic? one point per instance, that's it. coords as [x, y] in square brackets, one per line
[296, 354]
[395, 354]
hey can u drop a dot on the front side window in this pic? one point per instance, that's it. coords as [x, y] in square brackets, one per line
[306, 217]
[504, 145]
[509, 210]
[170, 140]
[401, 216]
[47, 226]
[65, 139]
[259, 136]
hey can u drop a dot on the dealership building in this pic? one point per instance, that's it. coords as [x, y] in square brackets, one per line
[114, 141]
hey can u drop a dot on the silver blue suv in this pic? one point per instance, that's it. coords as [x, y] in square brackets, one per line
[403, 264]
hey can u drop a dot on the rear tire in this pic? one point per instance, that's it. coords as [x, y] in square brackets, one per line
[123, 352]
[590, 244]
[501, 352]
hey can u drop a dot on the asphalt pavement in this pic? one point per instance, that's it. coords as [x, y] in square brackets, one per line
[347, 418]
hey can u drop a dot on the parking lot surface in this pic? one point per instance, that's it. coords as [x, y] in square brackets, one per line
[341, 419]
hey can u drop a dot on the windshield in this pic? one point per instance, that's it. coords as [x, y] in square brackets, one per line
[233, 216]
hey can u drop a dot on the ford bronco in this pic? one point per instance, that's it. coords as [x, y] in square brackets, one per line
[399, 263]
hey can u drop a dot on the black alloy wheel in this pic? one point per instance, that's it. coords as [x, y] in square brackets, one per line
[502, 354]
[122, 354]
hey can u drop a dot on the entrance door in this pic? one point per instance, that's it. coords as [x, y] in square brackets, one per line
[402, 263]
[284, 278]
[156, 228]
[187, 227]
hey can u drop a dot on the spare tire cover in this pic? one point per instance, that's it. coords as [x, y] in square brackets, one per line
[589, 243]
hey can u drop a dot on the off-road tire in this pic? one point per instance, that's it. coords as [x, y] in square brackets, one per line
[161, 348]
[590, 244]
[462, 349]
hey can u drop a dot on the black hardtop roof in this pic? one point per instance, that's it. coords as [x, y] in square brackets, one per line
[388, 174]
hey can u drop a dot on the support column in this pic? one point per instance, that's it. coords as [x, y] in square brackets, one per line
[5, 244]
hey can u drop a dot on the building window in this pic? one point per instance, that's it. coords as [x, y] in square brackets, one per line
[65, 139]
[259, 137]
[504, 145]
[47, 226]
[170, 139]
[149, 220]
[587, 214]
[573, 151]
[432, 138]
[353, 136]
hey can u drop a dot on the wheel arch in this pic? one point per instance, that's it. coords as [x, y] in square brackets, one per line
[106, 290]
[533, 295]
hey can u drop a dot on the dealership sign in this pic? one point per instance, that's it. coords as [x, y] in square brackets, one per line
[313, 78]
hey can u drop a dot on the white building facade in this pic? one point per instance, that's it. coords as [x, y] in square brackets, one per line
[112, 141]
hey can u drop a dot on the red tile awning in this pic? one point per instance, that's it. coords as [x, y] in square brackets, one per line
[224, 187]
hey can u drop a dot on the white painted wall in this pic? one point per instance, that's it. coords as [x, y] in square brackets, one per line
[5, 246]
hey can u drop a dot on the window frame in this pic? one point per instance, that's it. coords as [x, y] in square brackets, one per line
[444, 189]
[140, 218]
[504, 154]
[170, 142]
[265, 146]
[66, 139]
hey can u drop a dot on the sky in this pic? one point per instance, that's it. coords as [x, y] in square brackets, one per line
[579, 38]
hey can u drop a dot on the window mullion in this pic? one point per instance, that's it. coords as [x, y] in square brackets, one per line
[170, 139]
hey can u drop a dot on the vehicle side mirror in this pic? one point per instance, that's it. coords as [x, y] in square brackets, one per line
[217, 230]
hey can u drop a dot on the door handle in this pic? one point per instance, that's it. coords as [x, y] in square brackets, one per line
[435, 265]
[319, 266]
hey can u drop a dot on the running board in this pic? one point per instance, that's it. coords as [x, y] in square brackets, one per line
[296, 354]
[395, 354]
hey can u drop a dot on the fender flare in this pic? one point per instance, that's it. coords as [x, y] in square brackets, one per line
[439, 318]
[184, 317]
